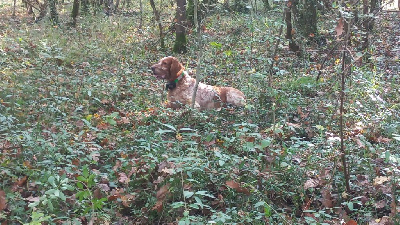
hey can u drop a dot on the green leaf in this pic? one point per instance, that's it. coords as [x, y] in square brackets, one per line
[204, 193]
[81, 178]
[188, 194]
[111, 121]
[51, 181]
[267, 211]
[85, 172]
[350, 205]
[62, 196]
[198, 201]
[258, 204]
[176, 205]
[265, 143]
[216, 44]
[79, 185]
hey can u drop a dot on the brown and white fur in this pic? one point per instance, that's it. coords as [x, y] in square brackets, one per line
[207, 97]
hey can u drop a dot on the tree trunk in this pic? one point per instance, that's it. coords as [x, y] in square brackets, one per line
[85, 6]
[241, 6]
[226, 5]
[180, 40]
[365, 25]
[372, 9]
[306, 17]
[53, 12]
[42, 10]
[157, 17]
[75, 12]
[267, 6]
[117, 5]
[199, 52]
[141, 14]
[289, 28]
[15, 3]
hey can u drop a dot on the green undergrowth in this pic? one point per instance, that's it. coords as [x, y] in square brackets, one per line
[85, 136]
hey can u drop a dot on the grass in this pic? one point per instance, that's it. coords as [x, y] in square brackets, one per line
[85, 136]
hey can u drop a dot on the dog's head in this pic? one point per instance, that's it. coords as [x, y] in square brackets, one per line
[168, 68]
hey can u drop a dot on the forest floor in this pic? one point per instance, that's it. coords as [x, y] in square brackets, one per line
[85, 137]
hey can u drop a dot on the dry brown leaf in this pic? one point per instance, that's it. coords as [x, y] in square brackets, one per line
[351, 222]
[22, 181]
[127, 199]
[311, 183]
[79, 123]
[380, 204]
[33, 199]
[382, 221]
[208, 144]
[380, 180]
[125, 120]
[158, 206]
[359, 143]
[383, 140]
[162, 193]
[232, 184]
[327, 200]
[104, 187]
[3, 200]
[339, 27]
[97, 194]
[122, 178]
[118, 164]
[92, 220]
[95, 156]
[27, 164]
[76, 162]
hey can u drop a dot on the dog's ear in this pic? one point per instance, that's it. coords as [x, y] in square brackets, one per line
[175, 68]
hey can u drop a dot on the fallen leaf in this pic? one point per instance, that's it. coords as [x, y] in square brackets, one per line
[127, 199]
[125, 120]
[380, 204]
[162, 193]
[339, 27]
[97, 194]
[327, 200]
[122, 178]
[359, 143]
[351, 222]
[3, 200]
[232, 184]
[79, 123]
[27, 164]
[380, 180]
[311, 183]
[118, 164]
[158, 206]
[383, 140]
[382, 221]
[22, 181]
[104, 187]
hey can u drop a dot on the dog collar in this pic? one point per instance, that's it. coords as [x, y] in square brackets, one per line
[171, 85]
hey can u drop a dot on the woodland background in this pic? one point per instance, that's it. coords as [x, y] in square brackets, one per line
[85, 137]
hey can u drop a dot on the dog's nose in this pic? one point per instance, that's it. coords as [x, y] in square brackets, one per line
[153, 68]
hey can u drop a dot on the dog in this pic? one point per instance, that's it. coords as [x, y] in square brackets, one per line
[180, 88]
